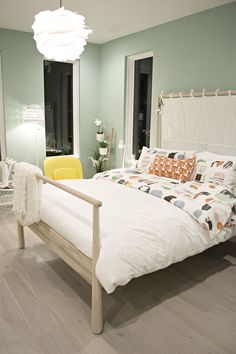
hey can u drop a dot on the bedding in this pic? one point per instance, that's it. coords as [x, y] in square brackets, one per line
[212, 205]
[212, 168]
[136, 234]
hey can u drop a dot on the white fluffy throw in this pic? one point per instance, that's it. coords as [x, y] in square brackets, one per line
[27, 193]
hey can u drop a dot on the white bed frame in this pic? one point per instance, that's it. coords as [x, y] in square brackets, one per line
[82, 264]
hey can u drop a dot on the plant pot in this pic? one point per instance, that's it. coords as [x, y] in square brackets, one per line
[100, 136]
[103, 151]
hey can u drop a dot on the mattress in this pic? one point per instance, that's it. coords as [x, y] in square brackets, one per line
[139, 233]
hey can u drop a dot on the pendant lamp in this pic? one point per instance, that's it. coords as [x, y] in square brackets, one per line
[60, 34]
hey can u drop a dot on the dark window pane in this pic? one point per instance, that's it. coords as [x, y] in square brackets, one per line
[58, 96]
[142, 104]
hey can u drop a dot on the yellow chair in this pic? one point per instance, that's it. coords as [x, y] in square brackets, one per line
[63, 167]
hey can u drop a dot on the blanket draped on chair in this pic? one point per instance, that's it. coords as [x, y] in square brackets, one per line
[27, 193]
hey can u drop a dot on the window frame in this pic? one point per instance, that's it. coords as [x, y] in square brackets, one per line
[76, 95]
[2, 116]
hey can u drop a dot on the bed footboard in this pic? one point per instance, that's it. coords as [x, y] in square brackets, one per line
[82, 264]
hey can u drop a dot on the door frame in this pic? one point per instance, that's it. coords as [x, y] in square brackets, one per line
[129, 102]
[2, 116]
[76, 96]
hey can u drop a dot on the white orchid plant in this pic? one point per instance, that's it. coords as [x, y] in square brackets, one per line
[103, 144]
[98, 160]
[99, 125]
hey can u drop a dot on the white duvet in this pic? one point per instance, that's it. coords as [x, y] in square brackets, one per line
[139, 233]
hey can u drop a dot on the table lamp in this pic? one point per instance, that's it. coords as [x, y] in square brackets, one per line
[122, 146]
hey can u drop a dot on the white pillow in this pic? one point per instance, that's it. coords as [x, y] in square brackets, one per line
[214, 156]
[212, 167]
[146, 158]
[148, 155]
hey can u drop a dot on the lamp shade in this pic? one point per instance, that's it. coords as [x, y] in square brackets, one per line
[60, 34]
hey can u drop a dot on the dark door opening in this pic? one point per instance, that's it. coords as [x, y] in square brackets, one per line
[142, 104]
[58, 99]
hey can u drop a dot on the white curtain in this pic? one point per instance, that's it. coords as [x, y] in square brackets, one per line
[200, 123]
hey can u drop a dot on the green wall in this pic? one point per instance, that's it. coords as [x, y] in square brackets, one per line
[89, 103]
[22, 85]
[22, 67]
[194, 52]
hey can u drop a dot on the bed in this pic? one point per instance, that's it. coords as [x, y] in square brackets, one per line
[116, 226]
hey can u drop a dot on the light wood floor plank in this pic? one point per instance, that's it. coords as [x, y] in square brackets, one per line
[189, 308]
[15, 334]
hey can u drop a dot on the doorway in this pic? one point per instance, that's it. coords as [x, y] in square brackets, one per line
[142, 105]
[138, 103]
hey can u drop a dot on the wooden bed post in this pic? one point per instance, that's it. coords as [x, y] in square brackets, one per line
[82, 264]
[97, 318]
[20, 234]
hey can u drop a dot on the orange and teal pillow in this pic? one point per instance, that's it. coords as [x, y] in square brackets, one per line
[172, 168]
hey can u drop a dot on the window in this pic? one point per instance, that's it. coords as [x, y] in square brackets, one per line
[138, 103]
[61, 120]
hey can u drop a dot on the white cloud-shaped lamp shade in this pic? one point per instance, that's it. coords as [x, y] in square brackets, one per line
[60, 34]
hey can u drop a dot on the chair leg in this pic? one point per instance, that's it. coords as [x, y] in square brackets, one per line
[20, 234]
[97, 318]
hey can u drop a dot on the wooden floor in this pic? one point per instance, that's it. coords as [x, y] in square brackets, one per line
[45, 306]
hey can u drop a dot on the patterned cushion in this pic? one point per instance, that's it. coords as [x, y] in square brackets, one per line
[172, 168]
[148, 156]
[217, 171]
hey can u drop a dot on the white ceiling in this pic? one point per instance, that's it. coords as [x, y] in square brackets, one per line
[109, 19]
